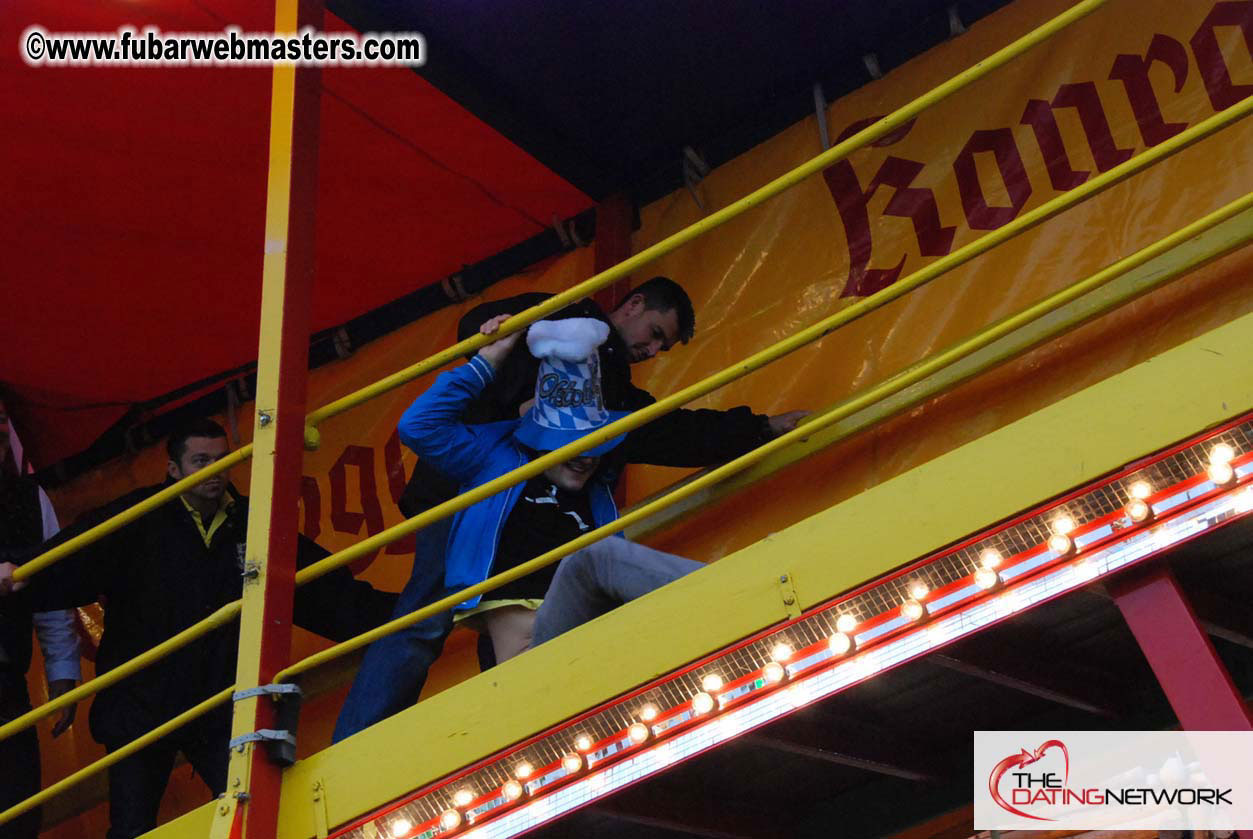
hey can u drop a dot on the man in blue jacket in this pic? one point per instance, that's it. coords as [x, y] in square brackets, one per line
[531, 518]
[654, 317]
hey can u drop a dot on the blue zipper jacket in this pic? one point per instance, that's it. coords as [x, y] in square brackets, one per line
[472, 455]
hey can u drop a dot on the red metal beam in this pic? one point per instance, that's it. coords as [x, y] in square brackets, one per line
[614, 217]
[1196, 683]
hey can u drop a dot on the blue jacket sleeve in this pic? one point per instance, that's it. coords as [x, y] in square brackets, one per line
[432, 425]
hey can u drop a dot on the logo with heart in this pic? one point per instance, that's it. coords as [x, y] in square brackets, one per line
[1025, 758]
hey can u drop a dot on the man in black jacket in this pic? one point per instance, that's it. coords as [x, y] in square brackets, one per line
[653, 318]
[157, 576]
[26, 520]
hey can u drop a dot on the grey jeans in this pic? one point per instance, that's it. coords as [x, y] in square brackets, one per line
[600, 577]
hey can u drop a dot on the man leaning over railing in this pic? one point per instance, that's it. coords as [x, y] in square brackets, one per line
[159, 575]
[652, 319]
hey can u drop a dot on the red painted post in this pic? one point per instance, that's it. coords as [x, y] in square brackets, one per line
[613, 245]
[1181, 654]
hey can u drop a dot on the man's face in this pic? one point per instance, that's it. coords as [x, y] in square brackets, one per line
[646, 332]
[572, 475]
[201, 452]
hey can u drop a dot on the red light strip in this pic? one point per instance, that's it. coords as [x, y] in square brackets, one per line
[1181, 462]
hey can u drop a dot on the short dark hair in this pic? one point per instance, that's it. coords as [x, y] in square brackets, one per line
[176, 445]
[662, 294]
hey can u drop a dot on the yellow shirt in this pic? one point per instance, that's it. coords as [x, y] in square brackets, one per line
[218, 518]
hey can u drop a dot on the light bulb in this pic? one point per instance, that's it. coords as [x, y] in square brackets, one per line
[1139, 510]
[781, 652]
[841, 643]
[774, 672]
[523, 770]
[711, 682]
[846, 624]
[450, 820]
[572, 763]
[462, 797]
[986, 578]
[1221, 473]
[1222, 453]
[1063, 525]
[913, 610]
[990, 558]
[512, 790]
[583, 743]
[638, 732]
[918, 589]
[702, 703]
[1060, 543]
[401, 827]
[1140, 489]
[649, 712]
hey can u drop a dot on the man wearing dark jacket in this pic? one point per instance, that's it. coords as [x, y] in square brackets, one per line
[157, 576]
[653, 318]
[26, 520]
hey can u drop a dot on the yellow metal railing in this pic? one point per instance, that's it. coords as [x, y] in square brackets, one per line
[841, 410]
[754, 362]
[895, 384]
[947, 263]
[520, 321]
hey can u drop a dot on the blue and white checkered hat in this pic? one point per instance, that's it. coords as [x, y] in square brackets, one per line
[568, 401]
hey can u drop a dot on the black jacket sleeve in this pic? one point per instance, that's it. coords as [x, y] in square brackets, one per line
[336, 605]
[474, 319]
[89, 572]
[693, 438]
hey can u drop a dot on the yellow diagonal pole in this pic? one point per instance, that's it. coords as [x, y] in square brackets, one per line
[895, 384]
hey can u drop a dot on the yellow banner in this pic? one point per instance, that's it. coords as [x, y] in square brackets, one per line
[1127, 77]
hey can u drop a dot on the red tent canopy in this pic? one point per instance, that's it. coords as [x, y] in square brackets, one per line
[135, 203]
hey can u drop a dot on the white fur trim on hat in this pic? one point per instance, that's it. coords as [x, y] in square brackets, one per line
[572, 339]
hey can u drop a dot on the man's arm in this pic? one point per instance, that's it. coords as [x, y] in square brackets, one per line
[337, 605]
[58, 639]
[432, 425]
[702, 437]
[58, 635]
[472, 321]
[84, 575]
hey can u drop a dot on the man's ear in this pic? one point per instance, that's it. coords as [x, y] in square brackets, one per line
[171, 469]
[633, 305]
